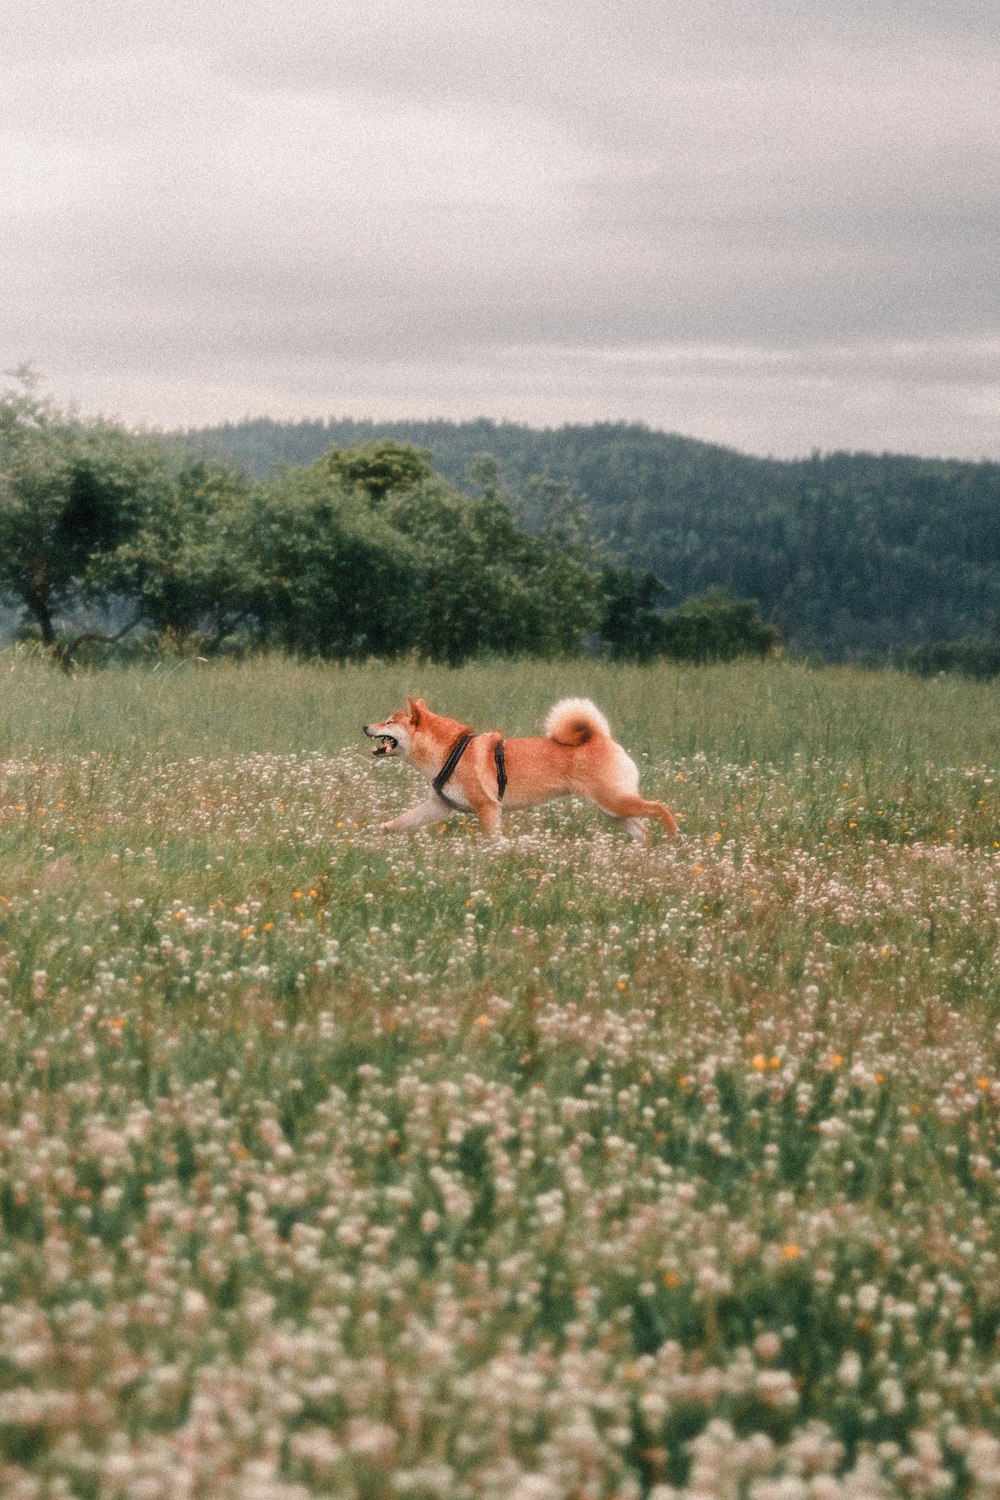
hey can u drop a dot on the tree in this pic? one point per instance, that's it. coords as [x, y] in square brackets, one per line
[469, 597]
[632, 624]
[715, 627]
[569, 559]
[377, 468]
[485, 585]
[335, 579]
[71, 492]
[189, 565]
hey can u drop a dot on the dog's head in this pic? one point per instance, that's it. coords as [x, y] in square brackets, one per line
[396, 735]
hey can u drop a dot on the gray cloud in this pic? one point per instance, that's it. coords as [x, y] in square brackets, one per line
[756, 224]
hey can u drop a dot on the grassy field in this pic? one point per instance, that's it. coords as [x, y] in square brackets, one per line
[338, 1165]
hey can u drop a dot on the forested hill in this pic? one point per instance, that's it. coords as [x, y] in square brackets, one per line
[851, 554]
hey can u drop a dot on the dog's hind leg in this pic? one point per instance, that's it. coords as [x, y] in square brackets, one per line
[634, 827]
[630, 807]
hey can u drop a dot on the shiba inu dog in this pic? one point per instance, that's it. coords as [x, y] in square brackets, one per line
[482, 772]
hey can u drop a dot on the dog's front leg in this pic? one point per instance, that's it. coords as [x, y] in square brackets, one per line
[430, 811]
[488, 814]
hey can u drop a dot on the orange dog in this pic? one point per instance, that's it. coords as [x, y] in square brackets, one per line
[479, 772]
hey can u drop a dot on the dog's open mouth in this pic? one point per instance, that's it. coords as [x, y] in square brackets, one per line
[386, 743]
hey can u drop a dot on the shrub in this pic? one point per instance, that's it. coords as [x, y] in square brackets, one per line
[716, 627]
[974, 656]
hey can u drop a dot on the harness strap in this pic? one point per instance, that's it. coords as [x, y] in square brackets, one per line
[457, 751]
[501, 766]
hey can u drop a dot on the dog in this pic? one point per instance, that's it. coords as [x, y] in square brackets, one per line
[479, 773]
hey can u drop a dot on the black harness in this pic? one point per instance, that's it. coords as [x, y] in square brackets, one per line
[501, 765]
[458, 749]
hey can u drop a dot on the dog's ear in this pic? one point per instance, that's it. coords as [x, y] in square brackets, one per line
[417, 706]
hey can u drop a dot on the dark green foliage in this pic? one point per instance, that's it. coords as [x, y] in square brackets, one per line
[715, 627]
[976, 656]
[373, 546]
[70, 494]
[364, 553]
[419, 567]
[632, 624]
[854, 554]
[187, 565]
[332, 577]
[377, 468]
[476, 583]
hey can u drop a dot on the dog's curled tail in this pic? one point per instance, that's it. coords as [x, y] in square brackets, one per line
[574, 721]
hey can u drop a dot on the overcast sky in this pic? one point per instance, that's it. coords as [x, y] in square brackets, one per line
[769, 223]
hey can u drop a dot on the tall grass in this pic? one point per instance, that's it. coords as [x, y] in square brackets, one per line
[739, 712]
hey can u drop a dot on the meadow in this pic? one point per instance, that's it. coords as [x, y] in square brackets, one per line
[336, 1164]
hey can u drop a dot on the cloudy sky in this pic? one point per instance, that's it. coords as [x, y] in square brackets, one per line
[768, 223]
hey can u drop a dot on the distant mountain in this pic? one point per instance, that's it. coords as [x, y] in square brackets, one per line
[852, 554]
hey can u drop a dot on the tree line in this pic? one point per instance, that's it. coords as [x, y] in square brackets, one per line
[110, 538]
[852, 555]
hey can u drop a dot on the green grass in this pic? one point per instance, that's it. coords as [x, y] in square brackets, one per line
[750, 711]
[339, 1164]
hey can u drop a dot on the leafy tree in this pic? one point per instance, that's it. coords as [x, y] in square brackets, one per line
[335, 580]
[189, 564]
[568, 581]
[71, 492]
[368, 552]
[377, 468]
[632, 625]
[486, 586]
[470, 595]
